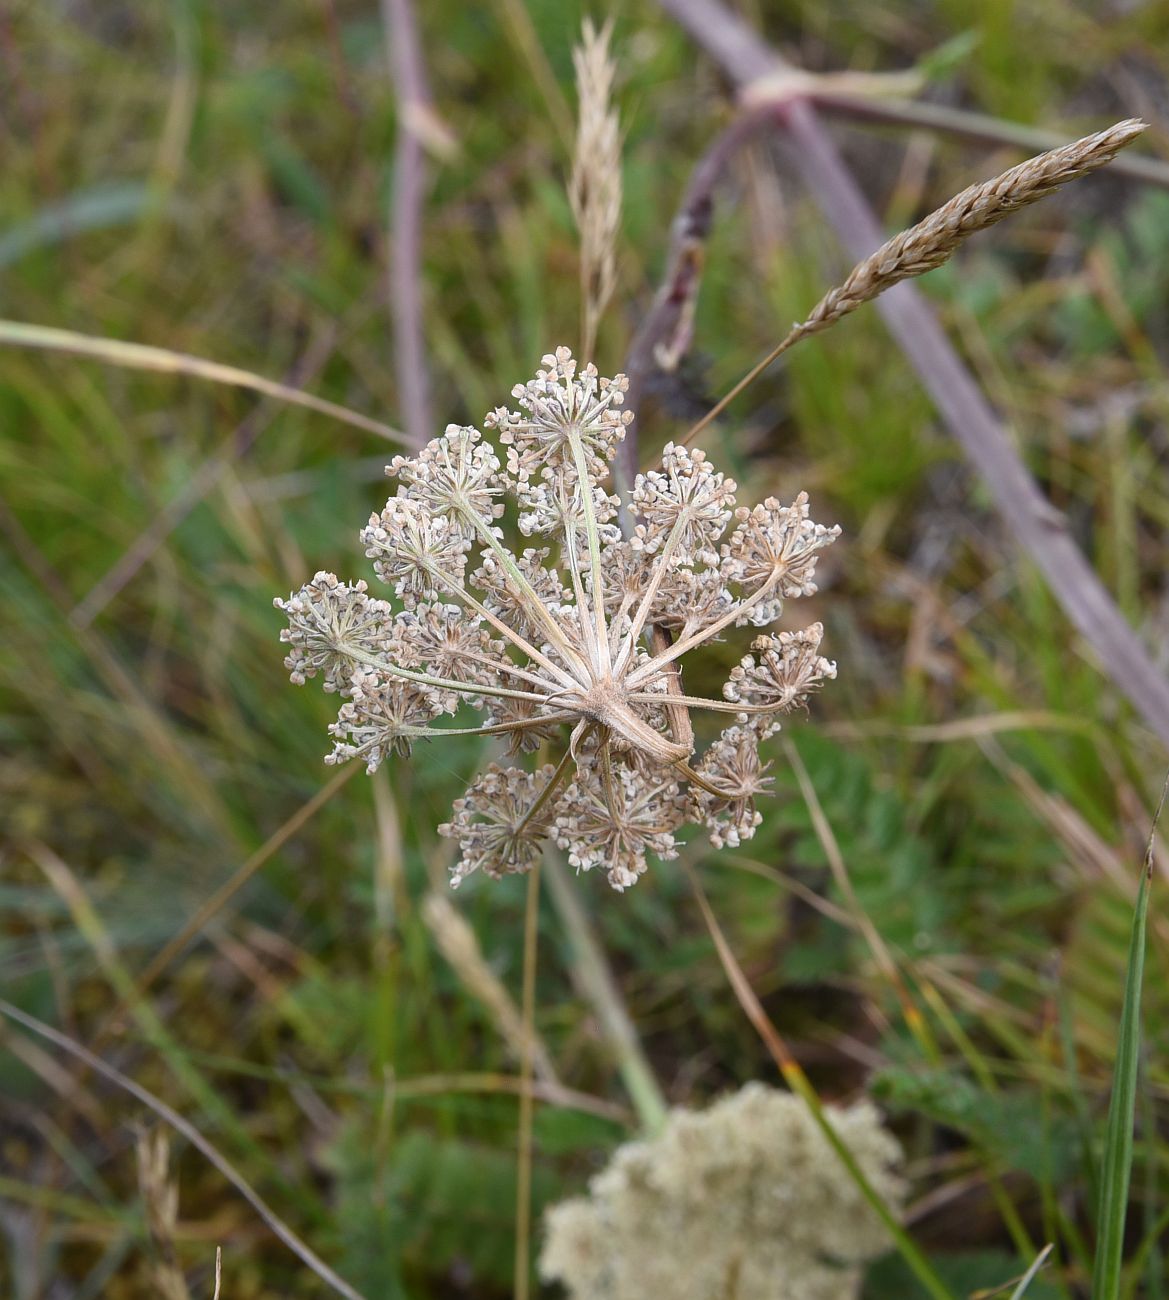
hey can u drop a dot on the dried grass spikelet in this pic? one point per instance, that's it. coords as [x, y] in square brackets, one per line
[160, 1195]
[933, 240]
[745, 1199]
[595, 187]
[459, 945]
[925, 246]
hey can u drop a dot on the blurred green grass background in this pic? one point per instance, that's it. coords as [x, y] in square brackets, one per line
[214, 180]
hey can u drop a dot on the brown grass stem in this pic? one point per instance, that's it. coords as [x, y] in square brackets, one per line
[459, 944]
[523, 1208]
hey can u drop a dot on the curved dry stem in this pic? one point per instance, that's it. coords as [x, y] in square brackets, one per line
[140, 356]
[698, 702]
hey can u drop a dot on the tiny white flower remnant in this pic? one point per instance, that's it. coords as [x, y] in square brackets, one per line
[574, 646]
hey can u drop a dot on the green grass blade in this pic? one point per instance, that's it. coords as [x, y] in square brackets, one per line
[1031, 1274]
[1116, 1167]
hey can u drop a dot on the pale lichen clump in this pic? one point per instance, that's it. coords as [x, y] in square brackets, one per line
[574, 646]
[746, 1199]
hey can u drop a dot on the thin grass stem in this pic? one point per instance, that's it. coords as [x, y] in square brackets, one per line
[140, 356]
[524, 1154]
[303, 1252]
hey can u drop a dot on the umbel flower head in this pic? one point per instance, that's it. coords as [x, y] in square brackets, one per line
[746, 1199]
[573, 646]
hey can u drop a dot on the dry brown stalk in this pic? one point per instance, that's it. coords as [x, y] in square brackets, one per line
[160, 1194]
[460, 946]
[932, 241]
[595, 188]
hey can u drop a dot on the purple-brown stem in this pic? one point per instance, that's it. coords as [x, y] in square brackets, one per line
[1039, 528]
[405, 279]
[920, 114]
[664, 335]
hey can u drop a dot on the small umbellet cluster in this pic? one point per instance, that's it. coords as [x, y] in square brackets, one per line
[573, 646]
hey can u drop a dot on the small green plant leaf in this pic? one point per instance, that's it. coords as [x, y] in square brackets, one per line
[1118, 1142]
[948, 58]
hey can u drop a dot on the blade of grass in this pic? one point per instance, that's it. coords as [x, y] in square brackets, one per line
[1116, 1167]
[1145, 1253]
[523, 1207]
[801, 1085]
[593, 976]
[1155, 1269]
[1029, 1277]
[100, 207]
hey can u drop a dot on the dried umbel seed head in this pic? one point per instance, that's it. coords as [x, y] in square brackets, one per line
[575, 647]
[746, 1199]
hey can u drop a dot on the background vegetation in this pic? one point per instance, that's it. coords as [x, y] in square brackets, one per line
[214, 179]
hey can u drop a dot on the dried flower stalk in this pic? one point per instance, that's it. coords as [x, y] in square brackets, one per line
[160, 1195]
[595, 188]
[925, 246]
[459, 945]
[931, 242]
[559, 637]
